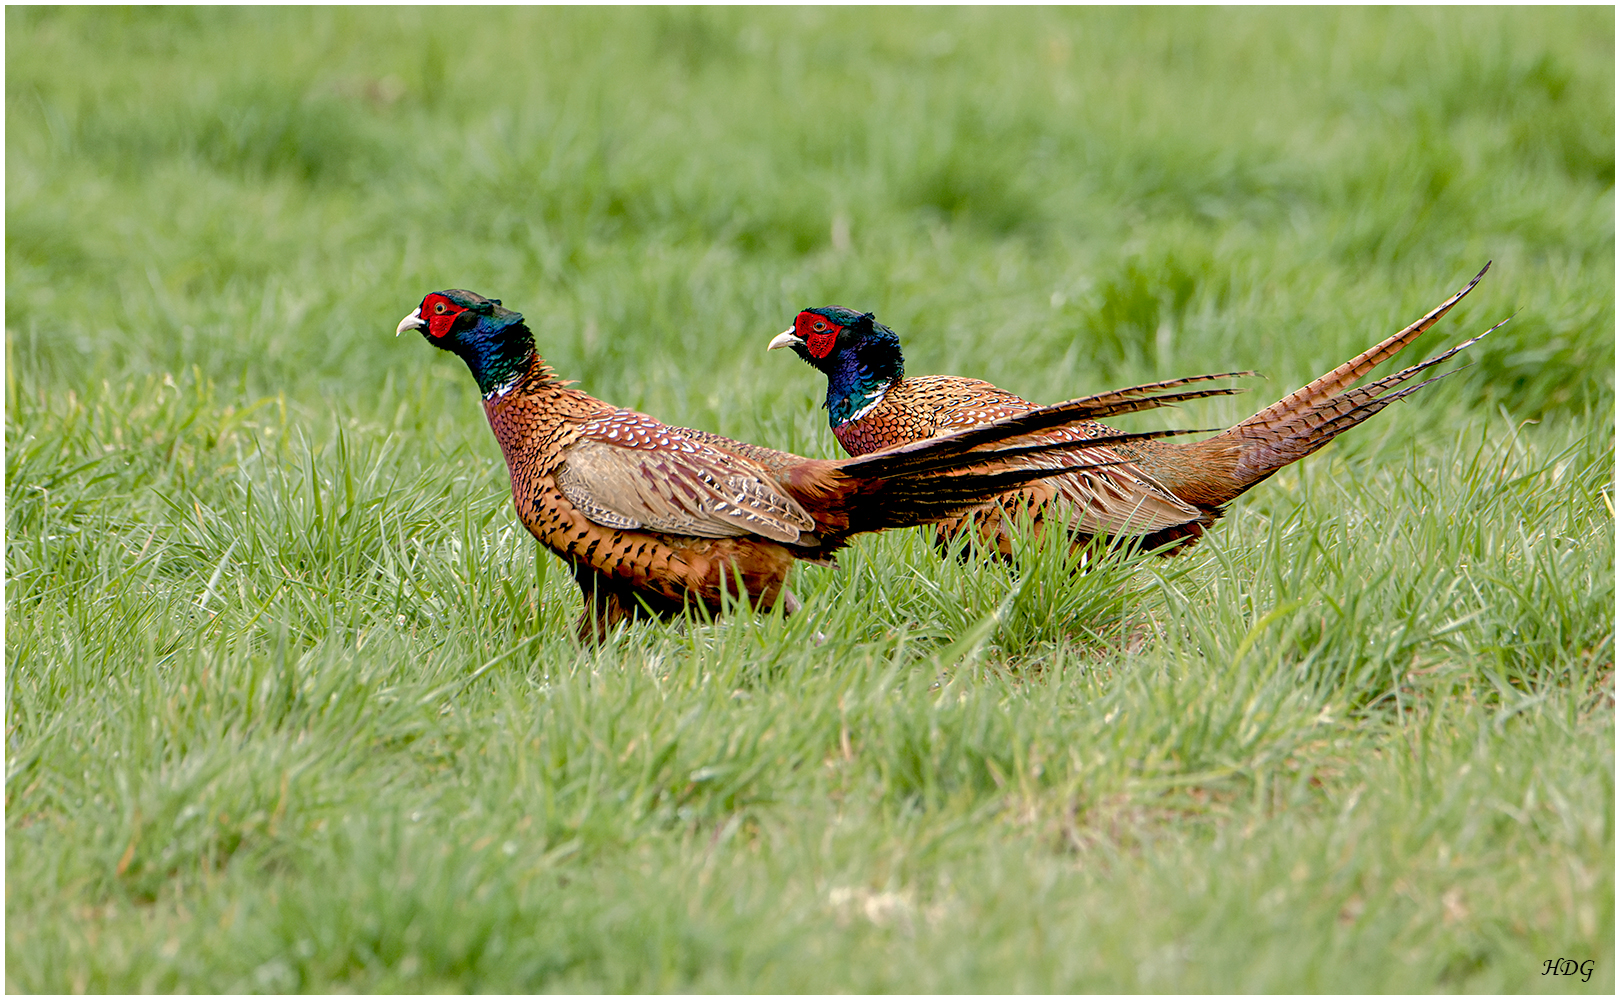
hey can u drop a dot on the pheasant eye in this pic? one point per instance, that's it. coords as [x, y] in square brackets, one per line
[442, 318]
[820, 339]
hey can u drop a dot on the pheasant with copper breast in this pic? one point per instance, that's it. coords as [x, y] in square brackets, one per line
[1161, 494]
[653, 518]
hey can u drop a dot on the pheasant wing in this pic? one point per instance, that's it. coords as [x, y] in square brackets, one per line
[627, 470]
[768, 458]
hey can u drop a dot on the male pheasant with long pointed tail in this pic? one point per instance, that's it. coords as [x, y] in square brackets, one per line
[652, 518]
[1162, 493]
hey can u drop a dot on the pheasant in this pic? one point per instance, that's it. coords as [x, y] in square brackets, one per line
[652, 518]
[1161, 494]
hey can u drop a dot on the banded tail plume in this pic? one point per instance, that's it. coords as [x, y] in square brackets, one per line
[1158, 491]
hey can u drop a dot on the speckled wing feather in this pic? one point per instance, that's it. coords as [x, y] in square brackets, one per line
[769, 458]
[1112, 498]
[628, 471]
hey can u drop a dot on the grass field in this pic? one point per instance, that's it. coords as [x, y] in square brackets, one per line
[291, 698]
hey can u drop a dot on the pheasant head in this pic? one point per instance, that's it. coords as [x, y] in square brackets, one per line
[860, 357]
[493, 340]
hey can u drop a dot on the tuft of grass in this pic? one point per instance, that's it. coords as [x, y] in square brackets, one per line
[292, 699]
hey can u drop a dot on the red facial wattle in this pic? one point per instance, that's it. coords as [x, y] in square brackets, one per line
[440, 314]
[818, 333]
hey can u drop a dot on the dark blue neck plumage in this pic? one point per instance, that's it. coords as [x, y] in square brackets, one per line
[498, 351]
[856, 379]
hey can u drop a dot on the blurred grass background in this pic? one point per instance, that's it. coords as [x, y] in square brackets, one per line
[258, 551]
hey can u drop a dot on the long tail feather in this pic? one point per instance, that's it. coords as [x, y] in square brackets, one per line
[892, 461]
[1267, 449]
[951, 461]
[1137, 390]
[1390, 381]
[1351, 371]
[911, 501]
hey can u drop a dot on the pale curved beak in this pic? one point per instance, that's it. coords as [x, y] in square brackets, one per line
[787, 338]
[411, 322]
